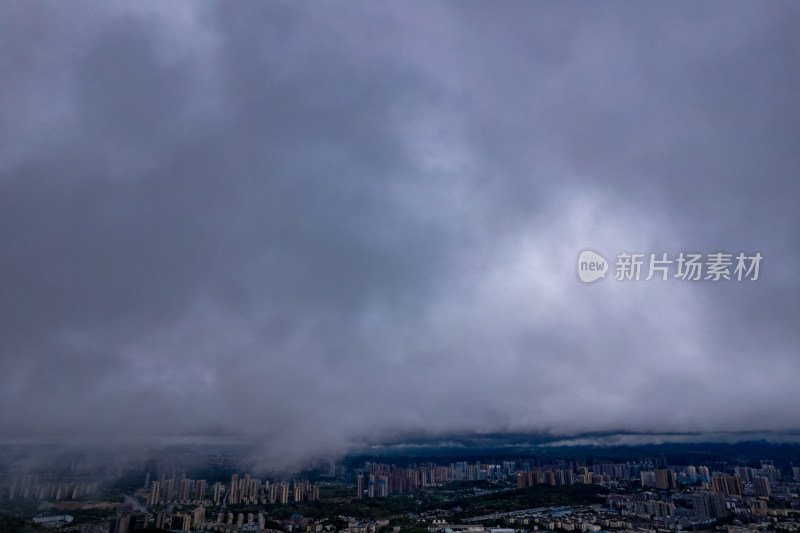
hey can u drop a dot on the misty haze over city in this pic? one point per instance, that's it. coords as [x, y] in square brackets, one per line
[321, 227]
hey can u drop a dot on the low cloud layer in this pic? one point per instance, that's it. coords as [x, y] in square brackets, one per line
[319, 226]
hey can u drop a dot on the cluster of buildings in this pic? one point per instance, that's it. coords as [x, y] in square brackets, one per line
[178, 490]
[256, 523]
[649, 496]
[560, 520]
[753, 499]
[629, 513]
[380, 479]
[36, 486]
[557, 477]
[196, 520]
[245, 490]
[696, 497]
[377, 480]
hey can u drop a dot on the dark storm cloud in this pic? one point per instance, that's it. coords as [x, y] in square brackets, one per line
[317, 226]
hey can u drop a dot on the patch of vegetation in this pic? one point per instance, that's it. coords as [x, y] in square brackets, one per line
[398, 507]
[538, 496]
[10, 524]
[93, 516]
[415, 530]
[23, 507]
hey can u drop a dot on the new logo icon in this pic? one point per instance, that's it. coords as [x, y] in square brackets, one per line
[591, 266]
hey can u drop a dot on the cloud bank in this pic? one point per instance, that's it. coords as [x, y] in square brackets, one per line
[318, 226]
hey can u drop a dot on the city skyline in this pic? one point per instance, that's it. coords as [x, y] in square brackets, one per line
[669, 487]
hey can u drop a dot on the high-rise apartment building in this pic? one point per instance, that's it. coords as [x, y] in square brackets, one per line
[709, 505]
[299, 492]
[169, 489]
[153, 498]
[745, 474]
[727, 485]
[761, 486]
[217, 492]
[183, 493]
[254, 491]
[181, 522]
[233, 496]
[665, 479]
[198, 516]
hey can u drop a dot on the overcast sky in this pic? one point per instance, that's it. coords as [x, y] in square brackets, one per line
[318, 225]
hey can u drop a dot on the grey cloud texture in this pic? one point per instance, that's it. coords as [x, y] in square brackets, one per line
[320, 225]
